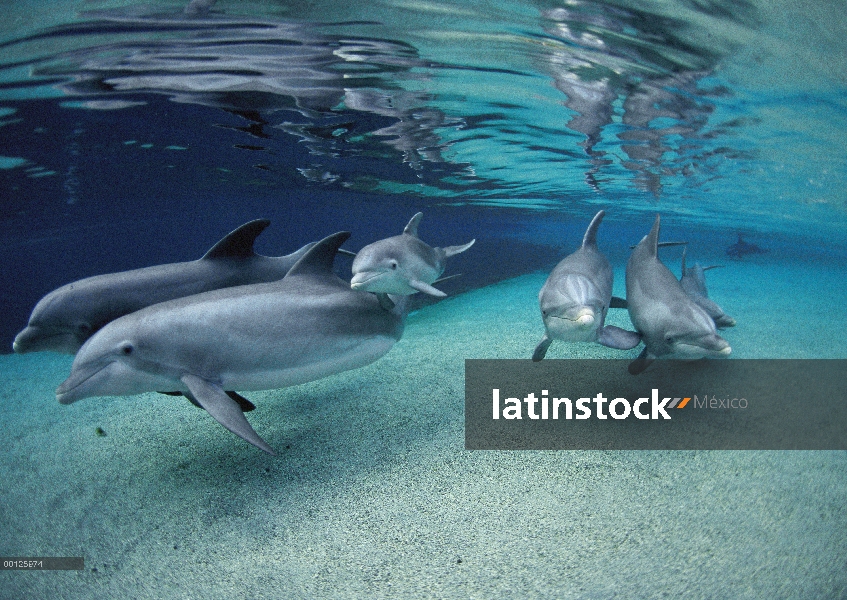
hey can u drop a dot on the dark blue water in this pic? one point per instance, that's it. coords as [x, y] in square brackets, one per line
[139, 135]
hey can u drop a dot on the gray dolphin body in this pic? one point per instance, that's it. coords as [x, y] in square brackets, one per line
[693, 281]
[66, 317]
[263, 336]
[576, 297]
[671, 324]
[402, 265]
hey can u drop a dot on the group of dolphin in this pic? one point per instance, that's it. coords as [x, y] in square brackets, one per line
[234, 320]
[674, 318]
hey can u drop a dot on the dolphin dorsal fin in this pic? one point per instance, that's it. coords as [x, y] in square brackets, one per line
[238, 243]
[652, 239]
[590, 238]
[412, 227]
[318, 260]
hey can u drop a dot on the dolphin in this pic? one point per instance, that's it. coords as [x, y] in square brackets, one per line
[576, 296]
[402, 265]
[306, 326]
[741, 248]
[693, 281]
[66, 317]
[671, 324]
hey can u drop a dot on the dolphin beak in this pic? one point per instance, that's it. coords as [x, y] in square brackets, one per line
[26, 340]
[586, 319]
[35, 339]
[726, 351]
[361, 280]
[73, 388]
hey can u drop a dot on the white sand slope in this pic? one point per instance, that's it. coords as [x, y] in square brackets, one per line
[372, 494]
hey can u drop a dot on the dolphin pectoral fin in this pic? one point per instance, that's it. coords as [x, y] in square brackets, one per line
[224, 410]
[620, 339]
[541, 348]
[426, 288]
[724, 321]
[666, 244]
[385, 302]
[453, 250]
[440, 279]
[641, 363]
[243, 403]
[618, 302]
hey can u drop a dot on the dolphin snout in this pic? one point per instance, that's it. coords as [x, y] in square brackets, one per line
[361, 280]
[26, 340]
[586, 320]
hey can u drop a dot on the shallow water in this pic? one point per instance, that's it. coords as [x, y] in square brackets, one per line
[138, 135]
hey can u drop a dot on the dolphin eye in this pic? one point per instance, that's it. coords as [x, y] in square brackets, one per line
[393, 264]
[127, 349]
[669, 339]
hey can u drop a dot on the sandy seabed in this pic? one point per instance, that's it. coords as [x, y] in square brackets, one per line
[372, 494]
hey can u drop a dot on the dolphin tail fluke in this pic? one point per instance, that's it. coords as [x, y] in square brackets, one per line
[453, 250]
[224, 410]
[426, 288]
[541, 348]
[618, 302]
[238, 243]
[641, 363]
[620, 339]
[590, 237]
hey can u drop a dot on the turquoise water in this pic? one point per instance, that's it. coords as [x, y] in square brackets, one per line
[133, 135]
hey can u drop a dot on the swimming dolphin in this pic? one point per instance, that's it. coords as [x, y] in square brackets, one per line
[306, 326]
[671, 324]
[693, 281]
[66, 317]
[740, 248]
[402, 265]
[576, 296]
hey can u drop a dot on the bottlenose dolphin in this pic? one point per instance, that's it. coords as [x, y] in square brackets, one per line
[671, 324]
[740, 248]
[576, 296]
[402, 265]
[693, 281]
[66, 317]
[306, 326]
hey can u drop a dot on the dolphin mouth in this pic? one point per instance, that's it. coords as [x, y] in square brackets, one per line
[584, 318]
[360, 280]
[69, 391]
[32, 339]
